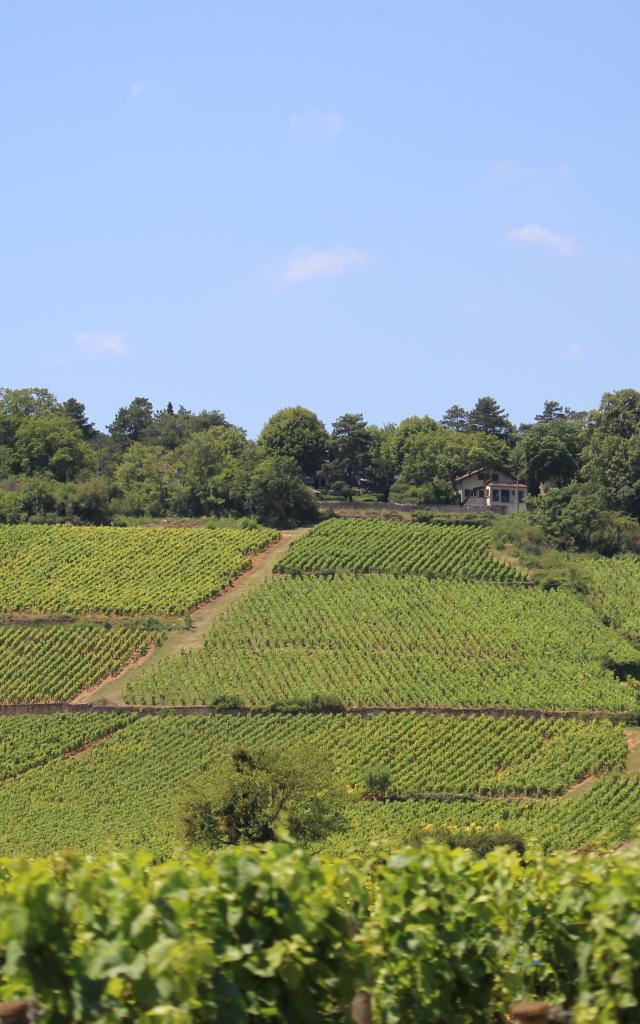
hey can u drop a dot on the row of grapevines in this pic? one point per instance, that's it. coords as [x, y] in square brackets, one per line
[54, 663]
[604, 816]
[272, 934]
[385, 641]
[123, 792]
[366, 545]
[613, 588]
[27, 741]
[77, 569]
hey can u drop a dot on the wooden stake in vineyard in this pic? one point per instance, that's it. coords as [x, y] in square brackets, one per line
[18, 1011]
[531, 1013]
[361, 1008]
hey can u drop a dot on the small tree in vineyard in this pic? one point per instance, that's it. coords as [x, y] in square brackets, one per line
[256, 794]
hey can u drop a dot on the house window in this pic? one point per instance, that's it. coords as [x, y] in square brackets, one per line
[504, 497]
[467, 492]
[495, 478]
[495, 496]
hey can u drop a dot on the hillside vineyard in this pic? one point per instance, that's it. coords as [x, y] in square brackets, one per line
[80, 569]
[123, 789]
[53, 663]
[373, 620]
[402, 549]
[386, 641]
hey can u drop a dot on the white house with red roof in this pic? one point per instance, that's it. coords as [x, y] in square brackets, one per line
[492, 489]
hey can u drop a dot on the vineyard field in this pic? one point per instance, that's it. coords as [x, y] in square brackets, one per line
[54, 663]
[401, 549]
[384, 641]
[604, 817]
[123, 791]
[613, 588]
[28, 741]
[127, 571]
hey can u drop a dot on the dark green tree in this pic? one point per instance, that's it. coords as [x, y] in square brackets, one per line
[77, 412]
[456, 418]
[611, 461]
[349, 449]
[210, 472]
[488, 417]
[548, 453]
[383, 459]
[574, 518]
[297, 432]
[133, 422]
[551, 411]
[19, 404]
[408, 429]
[277, 494]
[141, 478]
[254, 794]
[52, 443]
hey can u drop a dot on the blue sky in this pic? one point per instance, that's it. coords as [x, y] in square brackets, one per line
[379, 207]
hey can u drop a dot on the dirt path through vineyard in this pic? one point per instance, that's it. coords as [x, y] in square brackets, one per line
[187, 638]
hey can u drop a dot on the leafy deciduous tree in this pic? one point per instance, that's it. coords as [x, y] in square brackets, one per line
[255, 794]
[297, 432]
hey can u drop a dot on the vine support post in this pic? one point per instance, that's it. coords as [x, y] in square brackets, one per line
[18, 1011]
[531, 1013]
[361, 1008]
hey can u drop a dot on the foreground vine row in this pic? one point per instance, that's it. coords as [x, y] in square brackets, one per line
[273, 934]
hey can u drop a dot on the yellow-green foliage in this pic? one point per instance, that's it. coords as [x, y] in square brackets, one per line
[130, 570]
[400, 549]
[53, 663]
[612, 588]
[125, 790]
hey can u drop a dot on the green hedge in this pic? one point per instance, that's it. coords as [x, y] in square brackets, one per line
[274, 934]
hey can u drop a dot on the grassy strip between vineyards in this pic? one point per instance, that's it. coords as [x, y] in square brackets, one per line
[264, 934]
[400, 549]
[124, 790]
[45, 662]
[127, 571]
[381, 640]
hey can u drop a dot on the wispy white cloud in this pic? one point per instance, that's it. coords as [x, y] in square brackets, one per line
[91, 345]
[575, 349]
[535, 234]
[94, 344]
[507, 170]
[305, 263]
[317, 124]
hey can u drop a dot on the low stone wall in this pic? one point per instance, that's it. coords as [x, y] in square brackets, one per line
[354, 507]
[153, 709]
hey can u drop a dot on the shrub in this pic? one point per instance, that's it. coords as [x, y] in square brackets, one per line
[377, 781]
[256, 794]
